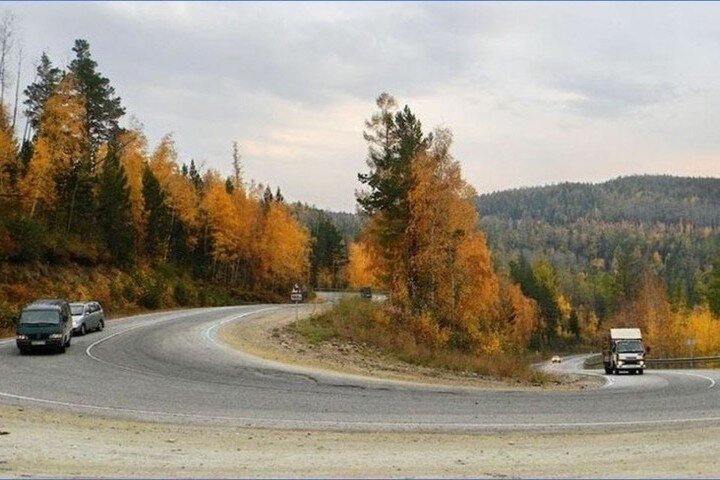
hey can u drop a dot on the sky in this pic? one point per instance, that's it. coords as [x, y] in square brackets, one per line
[534, 93]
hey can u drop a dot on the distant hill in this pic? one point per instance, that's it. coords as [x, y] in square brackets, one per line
[669, 223]
[640, 199]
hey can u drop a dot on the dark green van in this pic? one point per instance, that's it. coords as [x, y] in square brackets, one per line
[45, 324]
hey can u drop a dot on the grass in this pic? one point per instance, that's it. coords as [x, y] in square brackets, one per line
[360, 321]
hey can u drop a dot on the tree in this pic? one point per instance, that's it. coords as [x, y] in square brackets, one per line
[47, 78]
[328, 253]
[7, 38]
[132, 152]
[237, 166]
[286, 252]
[157, 214]
[104, 108]
[9, 164]
[62, 130]
[115, 208]
[713, 287]
[394, 139]
[361, 268]
[37, 187]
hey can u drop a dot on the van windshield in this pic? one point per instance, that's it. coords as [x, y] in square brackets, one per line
[630, 346]
[40, 316]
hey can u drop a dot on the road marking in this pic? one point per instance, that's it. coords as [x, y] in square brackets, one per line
[162, 320]
[711, 380]
[364, 424]
[208, 333]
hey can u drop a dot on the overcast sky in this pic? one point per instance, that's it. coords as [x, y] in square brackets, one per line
[534, 93]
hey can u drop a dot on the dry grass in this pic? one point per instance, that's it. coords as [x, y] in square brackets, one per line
[361, 321]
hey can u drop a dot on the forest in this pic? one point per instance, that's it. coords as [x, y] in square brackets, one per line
[639, 250]
[89, 209]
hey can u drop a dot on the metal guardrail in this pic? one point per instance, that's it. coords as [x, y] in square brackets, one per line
[685, 362]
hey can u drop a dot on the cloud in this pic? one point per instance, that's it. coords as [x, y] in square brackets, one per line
[535, 93]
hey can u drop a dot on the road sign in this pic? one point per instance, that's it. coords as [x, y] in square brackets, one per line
[296, 297]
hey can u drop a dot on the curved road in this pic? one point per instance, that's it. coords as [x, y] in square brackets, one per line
[170, 367]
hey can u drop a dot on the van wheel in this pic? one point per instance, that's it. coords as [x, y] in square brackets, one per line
[641, 372]
[82, 329]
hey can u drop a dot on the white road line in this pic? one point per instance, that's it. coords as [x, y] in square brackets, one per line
[208, 333]
[88, 350]
[711, 380]
[362, 424]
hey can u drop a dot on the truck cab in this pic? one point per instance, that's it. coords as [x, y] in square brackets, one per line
[623, 350]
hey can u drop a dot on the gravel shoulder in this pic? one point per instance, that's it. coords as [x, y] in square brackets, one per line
[269, 338]
[94, 447]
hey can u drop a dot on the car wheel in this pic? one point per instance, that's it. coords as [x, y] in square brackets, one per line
[641, 372]
[24, 351]
[82, 329]
[101, 325]
[62, 348]
[69, 340]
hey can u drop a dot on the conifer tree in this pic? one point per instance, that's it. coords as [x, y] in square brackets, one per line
[114, 208]
[47, 78]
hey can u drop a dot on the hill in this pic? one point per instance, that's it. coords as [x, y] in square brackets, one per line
[640, 199]
[668, 225]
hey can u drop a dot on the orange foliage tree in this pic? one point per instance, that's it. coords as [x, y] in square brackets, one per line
[425, 227]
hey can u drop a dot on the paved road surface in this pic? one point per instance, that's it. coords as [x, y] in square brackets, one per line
[170, 367]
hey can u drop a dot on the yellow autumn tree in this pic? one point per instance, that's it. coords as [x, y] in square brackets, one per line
[60, 146]
[223, 219]
[133, 158]
[284, 249]
[361, 270]
[182, 198]
[449, 269]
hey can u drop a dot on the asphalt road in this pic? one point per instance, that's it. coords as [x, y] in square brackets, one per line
[171, 367]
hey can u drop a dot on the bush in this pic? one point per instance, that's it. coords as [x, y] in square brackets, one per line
[182, 294]
[30, 239]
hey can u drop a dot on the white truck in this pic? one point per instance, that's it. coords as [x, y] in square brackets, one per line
[623, 350]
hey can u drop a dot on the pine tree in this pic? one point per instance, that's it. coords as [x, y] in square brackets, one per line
[47, 78]
[157, 214]
[279, 196]
[114, 208]
[104, 108]
[713, 287]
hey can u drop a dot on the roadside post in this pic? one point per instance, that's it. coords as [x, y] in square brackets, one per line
[691, 342]
[296, 297]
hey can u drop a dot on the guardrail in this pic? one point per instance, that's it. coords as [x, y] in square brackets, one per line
[595, 362]
[687, 362]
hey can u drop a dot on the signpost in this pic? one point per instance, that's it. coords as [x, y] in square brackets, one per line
[296, 297]
[691, 342]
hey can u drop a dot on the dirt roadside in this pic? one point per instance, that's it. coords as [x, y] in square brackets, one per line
[96, 447]
[268, 338]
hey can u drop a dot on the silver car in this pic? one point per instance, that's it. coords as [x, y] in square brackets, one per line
[87, 317]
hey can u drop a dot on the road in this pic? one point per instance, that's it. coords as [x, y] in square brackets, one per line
[170, 367]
